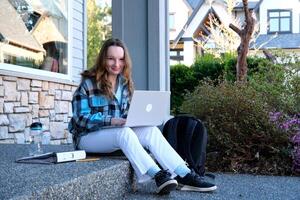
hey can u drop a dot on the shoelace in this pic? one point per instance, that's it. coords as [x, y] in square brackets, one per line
[196, 177]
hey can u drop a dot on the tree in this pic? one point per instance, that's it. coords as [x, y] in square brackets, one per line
[225, 40]
[99, 29]
[245, 34]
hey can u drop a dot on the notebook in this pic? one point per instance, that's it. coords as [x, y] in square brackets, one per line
[148, 108]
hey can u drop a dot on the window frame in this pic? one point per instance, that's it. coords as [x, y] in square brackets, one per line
[279, 20]
[177, 56]
[25, 72]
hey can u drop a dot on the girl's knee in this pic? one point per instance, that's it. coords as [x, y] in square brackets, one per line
[126, 134]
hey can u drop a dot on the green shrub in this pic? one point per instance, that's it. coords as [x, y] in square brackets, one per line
[279, 84]
[182, 80]
[208, 66]
[240, 133]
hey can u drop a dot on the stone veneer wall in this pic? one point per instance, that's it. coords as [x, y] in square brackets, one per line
[23, 101]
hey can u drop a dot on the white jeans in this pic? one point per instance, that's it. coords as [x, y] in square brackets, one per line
[131, 141]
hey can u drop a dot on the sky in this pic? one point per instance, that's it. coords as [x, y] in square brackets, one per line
[102, 2]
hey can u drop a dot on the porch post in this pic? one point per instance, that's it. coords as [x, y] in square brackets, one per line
[142, 25]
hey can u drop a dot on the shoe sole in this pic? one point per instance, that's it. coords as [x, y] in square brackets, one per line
[196, 189]
[167, 187]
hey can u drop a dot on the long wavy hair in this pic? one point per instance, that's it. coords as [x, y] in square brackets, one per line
[100, 73]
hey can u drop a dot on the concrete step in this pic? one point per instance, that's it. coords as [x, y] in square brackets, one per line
[107, 178]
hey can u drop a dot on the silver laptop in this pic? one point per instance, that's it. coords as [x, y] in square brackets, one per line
[148, 108]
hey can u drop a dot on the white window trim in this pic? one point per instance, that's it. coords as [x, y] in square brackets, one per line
[20, 71]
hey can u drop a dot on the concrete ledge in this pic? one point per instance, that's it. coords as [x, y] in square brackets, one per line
[108, 178]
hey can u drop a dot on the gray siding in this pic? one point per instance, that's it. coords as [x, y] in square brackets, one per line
[78, 39]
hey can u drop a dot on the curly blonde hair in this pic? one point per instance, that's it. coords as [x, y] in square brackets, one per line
[100, 73]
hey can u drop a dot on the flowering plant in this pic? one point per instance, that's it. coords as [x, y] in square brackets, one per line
[290, 125]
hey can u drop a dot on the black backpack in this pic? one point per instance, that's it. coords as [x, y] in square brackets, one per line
[188, 136]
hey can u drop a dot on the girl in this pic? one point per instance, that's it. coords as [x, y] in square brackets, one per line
[102, 99]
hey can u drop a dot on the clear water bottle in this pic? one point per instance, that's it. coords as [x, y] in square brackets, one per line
[35, 135]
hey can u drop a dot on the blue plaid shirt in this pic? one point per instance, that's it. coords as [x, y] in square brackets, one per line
[93, 110]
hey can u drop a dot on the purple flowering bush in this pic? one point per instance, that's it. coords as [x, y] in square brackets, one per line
[291, 126]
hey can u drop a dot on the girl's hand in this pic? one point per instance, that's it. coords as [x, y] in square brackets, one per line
[118, 121]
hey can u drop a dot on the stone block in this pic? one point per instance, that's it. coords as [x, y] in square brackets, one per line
[1, 105]
[33, 97]
[67, 96]
[57, 130]
[67, 87]
[10, 91]
[54, 86]
[1, 91]
[52, 115]
[36, 83]
[57, 94]
[21, 109]
[17, 122]
[61, 107]
[23, 84]
[43, 113]
[24, 98]
[35, 111]
[45, 85]
[4, 120]
[8, 107]
[59, 117]
[3, 132]
[28, 119]
[45, 101]
[19, 138]
[10, 78]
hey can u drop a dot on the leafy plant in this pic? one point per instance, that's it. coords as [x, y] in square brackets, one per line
[182, 80]
[241, 135]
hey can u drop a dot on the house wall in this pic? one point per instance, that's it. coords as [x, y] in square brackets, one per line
[189, 47]
[27, 98]
[181, 12]
[271, 4]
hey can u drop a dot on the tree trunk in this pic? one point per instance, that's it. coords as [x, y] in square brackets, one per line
[243, 49]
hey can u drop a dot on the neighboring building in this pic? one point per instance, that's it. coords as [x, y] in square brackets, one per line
[179, 12]
[274, 17]
[42, 52]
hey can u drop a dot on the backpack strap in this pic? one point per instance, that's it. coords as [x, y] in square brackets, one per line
[201, 142]
[170, 132]
[186, 137]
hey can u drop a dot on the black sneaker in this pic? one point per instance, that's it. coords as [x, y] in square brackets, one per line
[193, 182]
[165, 184]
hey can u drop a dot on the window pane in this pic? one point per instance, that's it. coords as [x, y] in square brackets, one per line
[274, 25]
[173, 53]
[285, 24]
[171, 21]
[39, 37]
[274, 14]
[285, 14]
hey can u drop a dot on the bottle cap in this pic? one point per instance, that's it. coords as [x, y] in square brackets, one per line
[36, 126]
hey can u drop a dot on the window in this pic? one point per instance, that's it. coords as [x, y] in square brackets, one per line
[280, 21]
[176, 54]
[172, 21]
[34, 34]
